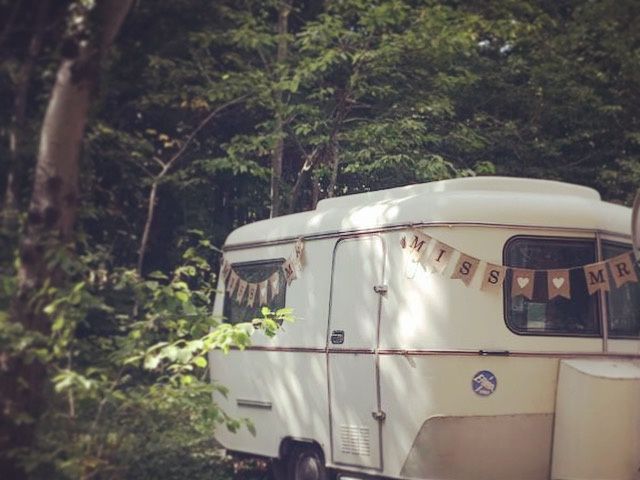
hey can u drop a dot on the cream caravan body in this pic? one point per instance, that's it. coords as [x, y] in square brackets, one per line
[393, 370]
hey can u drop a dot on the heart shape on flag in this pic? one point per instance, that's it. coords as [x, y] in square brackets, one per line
[558, 282]
[522, 281]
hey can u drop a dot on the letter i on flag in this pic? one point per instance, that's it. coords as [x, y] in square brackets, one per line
[440, 256]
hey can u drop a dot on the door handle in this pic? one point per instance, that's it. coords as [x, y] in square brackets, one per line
[379, 415]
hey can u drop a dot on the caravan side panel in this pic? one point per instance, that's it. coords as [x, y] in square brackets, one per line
[281, 382]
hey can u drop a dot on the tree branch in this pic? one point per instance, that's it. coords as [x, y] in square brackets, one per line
[166, 168]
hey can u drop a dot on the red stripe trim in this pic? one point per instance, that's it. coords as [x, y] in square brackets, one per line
[432, 352]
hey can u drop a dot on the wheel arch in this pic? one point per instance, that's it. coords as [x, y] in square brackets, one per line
[288, 444]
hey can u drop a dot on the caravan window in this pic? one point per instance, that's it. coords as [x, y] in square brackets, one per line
[559, 316]
[254, 272]
[623, 303]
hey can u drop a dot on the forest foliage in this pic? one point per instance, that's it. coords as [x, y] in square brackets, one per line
[209, 115]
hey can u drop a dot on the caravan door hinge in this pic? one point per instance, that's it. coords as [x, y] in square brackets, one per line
[381, 289]
[379, 415]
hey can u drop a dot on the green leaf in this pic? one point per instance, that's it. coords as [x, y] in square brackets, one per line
[151, 362]
[182, 296]
[58, 324]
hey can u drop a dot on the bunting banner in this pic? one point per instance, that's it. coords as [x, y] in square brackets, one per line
[274, 285]
[427, 252]
[558, 284]
[263, 288]
[417, 244]
[226, 270]
[522, 282]
[437, 256]
[596, 277]
[622, 269]
[249, 293]
[232, 283]
[242, 287]
[298, 250]
[493, 278]
[289, 270]
[465, 269]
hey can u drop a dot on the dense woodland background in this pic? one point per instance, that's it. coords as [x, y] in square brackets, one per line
[178, 120]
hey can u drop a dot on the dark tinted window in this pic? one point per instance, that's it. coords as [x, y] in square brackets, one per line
[559, 316]
[254, 272]
[623, 303]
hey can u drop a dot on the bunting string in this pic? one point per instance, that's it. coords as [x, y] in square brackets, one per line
[249, 293]
[600, 276]
[597, 275]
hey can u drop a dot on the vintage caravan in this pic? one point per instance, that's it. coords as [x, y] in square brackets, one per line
[477, 328]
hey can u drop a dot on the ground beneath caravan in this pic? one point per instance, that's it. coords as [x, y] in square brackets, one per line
[199, 462]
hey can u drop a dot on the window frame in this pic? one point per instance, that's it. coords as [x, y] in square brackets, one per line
[279, 261]
[614, 336]
[506, 298]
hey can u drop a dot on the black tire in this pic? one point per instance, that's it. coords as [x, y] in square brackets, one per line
[278, 470]
[306, 462]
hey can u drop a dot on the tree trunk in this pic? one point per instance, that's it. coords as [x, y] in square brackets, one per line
[333, 153]
[52, 214]
[315, 194]
[309, 163]
[9, 22]
[15, 173]
[278, 150]
[334, 162]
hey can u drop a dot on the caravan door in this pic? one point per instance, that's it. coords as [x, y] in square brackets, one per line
[354, 318]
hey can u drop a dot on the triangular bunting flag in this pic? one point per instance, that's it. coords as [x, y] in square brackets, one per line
[232, 283]
[622, 269]
[263, 287]
[417, 244]
[274, 284]
[226, 270]
[440, 256]
[465, 269]
[251, 294]
[242, 287]
[558, 284]
[289, 270]
[299, 253]
[597, 277]
[493, 278]
[522, 282]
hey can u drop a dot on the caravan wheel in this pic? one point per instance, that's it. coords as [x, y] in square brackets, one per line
[306, 463]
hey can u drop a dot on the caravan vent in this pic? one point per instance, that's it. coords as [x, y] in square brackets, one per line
[355, 440]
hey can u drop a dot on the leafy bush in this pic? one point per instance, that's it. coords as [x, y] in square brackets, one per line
[129, 394]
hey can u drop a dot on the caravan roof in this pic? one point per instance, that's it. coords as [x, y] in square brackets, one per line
[477, 200]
